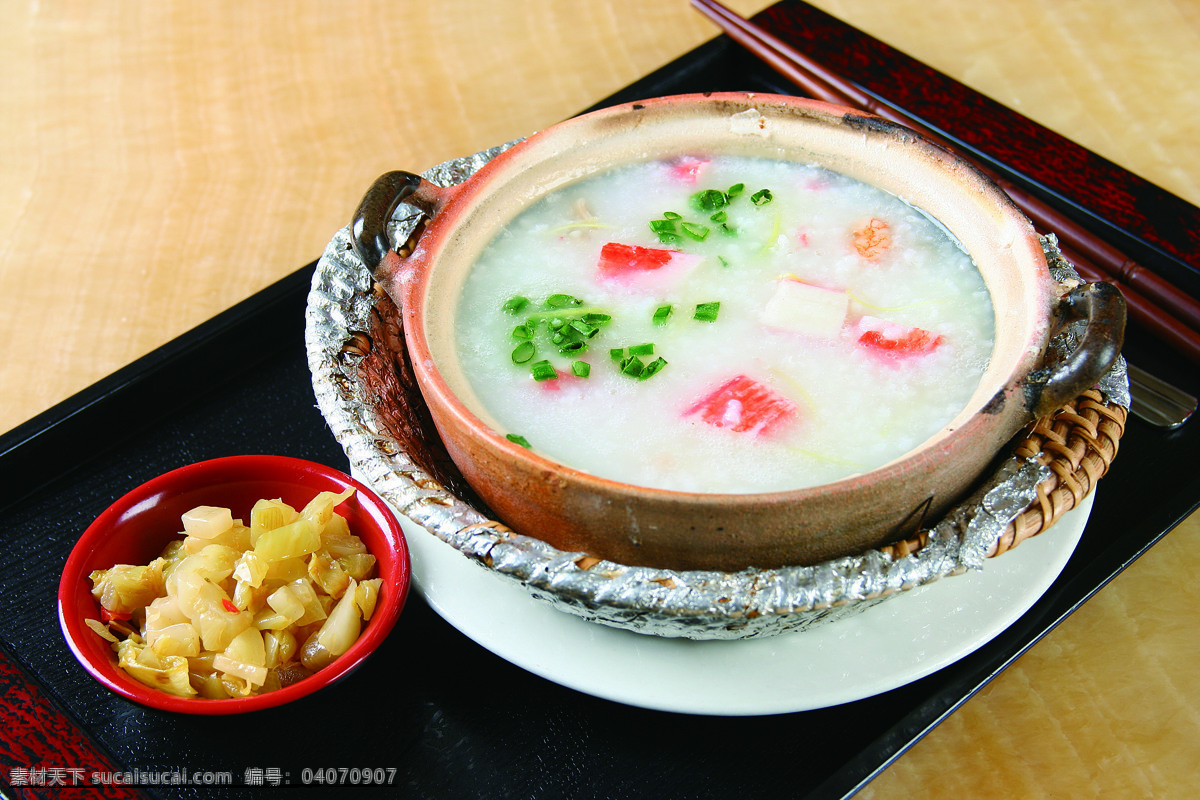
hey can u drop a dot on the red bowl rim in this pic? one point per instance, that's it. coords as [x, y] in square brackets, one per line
[222, 470]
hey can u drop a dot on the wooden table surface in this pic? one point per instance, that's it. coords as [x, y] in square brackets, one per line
[161, 161]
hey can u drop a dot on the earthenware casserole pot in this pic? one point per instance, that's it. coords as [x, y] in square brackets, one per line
[577, 511]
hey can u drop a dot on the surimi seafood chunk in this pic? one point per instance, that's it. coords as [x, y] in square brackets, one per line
[806, 309]
[743, 405]
[625, 260]
[893, 337]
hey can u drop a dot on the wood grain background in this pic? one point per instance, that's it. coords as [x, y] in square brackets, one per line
[161, 161]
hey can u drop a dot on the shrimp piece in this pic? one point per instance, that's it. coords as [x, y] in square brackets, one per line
[873, 239]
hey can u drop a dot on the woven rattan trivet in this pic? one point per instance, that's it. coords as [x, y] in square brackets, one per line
[1077, 443]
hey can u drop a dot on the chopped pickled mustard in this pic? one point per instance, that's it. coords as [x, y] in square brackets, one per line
[232, 610]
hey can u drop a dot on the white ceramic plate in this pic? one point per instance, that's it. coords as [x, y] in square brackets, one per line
[896, 642]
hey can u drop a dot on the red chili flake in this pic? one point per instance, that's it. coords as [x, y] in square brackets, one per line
[743, 404]
[230, 607]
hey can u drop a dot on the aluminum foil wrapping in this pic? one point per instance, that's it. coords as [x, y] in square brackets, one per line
[370, 400]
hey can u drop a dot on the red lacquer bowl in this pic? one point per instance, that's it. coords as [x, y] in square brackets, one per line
[136, 528]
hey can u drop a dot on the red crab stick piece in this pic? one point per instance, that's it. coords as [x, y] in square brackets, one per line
[743, 405]
[625, 260]
[689, 169]
[892, 337]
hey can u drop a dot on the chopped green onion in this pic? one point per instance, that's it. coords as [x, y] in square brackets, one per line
[523, 332]
[661, 315]
[519, 439]
[616, 353]
[572, 347]
[671, 215]
[515, 304]
[642, 349]
[709, 200]
[543, 371]
[562, 301]
[736, 189]
[596, 319]
[694, 230]
[581, 369]
[724, 261]
[583, 329]
[707, 312]
[557, 339]
[523, 352]
[556, 323]
[720, 216]
[653, 368]
[762, 197]
[662, 225]
[632, 366]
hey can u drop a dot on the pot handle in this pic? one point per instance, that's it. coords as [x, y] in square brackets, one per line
[1103, 307]
[368, 229]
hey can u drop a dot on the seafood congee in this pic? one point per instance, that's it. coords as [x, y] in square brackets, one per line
[726, 324]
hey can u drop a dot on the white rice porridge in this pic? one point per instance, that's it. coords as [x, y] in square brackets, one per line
[850, 326]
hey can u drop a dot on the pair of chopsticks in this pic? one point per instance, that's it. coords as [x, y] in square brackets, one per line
[1162, 309]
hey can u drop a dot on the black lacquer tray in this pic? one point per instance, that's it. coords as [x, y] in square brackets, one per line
[434, 713]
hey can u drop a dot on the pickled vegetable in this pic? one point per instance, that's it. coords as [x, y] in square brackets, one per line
[232, 610]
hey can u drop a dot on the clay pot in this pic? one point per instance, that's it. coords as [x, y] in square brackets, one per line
[577, 511]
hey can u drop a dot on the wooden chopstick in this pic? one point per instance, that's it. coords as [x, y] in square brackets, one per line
[1170, 314]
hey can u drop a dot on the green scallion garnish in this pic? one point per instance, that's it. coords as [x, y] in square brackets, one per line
[570, 325]
[661, 315]
[661, 226]
[709, 200]
[720, 216]
[724, 261]
[653, 368]
[616, 353]
[581, 369]
[707, 312]
[762, 197]
[671, 215]
[562, 301]
[583, 329]
[517, 438]
[642, 349]
[543, 371]
[632, 366]
[523, 352]
[736, 189]
[694, 230]
[515, 304]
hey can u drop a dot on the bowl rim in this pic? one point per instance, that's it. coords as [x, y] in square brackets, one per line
[228, 469]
